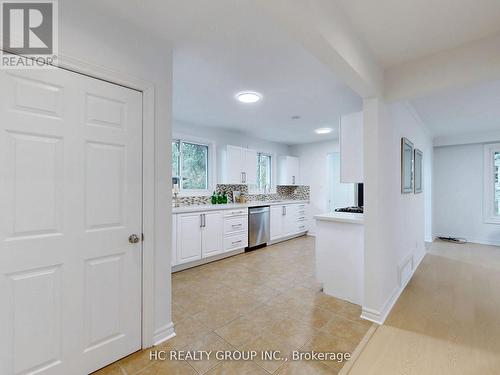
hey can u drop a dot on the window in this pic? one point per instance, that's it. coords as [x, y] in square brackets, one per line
[263, 172]
[190, 164]
[497, 183]
[492, 184]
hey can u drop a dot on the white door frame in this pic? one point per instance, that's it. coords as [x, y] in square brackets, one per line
[148, 177]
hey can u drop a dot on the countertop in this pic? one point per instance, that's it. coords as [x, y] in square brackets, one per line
[343, 217]
[231, 206]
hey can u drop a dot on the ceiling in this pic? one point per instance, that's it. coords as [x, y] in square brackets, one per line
[459, 111]
[401, 30]
[226, 46]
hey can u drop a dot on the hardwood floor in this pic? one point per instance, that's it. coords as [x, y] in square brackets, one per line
[447, 321]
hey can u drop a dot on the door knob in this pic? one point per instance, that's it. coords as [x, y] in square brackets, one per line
[134, 238]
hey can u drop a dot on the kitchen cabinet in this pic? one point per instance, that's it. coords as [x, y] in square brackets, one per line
[241, 165]
[250, 166]
[212, 236]
[289, 170]
[351, 148]
[288, 220]
[205, 234]
[189, 231]
[235, 229]
[199, 235]
[276, 222]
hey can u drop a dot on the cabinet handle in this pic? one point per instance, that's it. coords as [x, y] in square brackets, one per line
[293, 180]
[201, 220]
[244, 177]
[236, 225]
[301, 218]
[235, 242]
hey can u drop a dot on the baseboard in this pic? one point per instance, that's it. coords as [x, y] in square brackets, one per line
[163, 334]
[286, 238]
[379, 316]
[199, 262]
[480, 241]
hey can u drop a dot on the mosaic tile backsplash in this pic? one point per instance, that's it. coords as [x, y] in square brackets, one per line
[283, 192]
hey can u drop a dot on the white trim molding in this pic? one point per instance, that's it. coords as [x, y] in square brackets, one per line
[489, 215]
[163, 334]
[379, 316]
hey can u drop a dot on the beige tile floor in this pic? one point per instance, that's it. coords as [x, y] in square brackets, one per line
[263, 300]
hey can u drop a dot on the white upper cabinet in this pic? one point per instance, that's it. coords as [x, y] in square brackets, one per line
[289, 171]
[234, 163]
[351, 148]
[250, 166]
[241, 166]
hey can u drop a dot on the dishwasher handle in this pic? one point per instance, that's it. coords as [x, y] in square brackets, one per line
[262, 210]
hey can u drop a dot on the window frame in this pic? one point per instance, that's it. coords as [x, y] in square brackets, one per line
[211, 164]
[272, 186]
[489, 214]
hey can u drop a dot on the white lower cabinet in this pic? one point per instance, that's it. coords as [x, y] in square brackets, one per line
[211, 234]
[235, 229]
[200, 235]
[288, 220]
[276, 222]
[189, 232]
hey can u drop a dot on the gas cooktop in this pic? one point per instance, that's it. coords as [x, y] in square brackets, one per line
[356, 210]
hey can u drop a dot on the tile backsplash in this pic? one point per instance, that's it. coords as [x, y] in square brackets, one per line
[283, 192]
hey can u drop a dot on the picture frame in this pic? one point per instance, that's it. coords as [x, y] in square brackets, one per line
[418, 174]
[407, 155]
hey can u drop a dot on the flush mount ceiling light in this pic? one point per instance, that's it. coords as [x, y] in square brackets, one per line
[248, 97]
[323, 130]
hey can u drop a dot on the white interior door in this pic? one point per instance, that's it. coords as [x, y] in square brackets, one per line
[70, 192]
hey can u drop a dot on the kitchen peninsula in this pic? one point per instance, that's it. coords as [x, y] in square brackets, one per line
[340, 255]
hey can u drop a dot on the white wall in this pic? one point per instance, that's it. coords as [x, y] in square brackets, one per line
[396, 225]
[223, 137]
[313, 164]
[458, 194]
[87, 33]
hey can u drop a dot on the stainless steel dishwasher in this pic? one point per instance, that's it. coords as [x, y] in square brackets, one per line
[258, 226]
